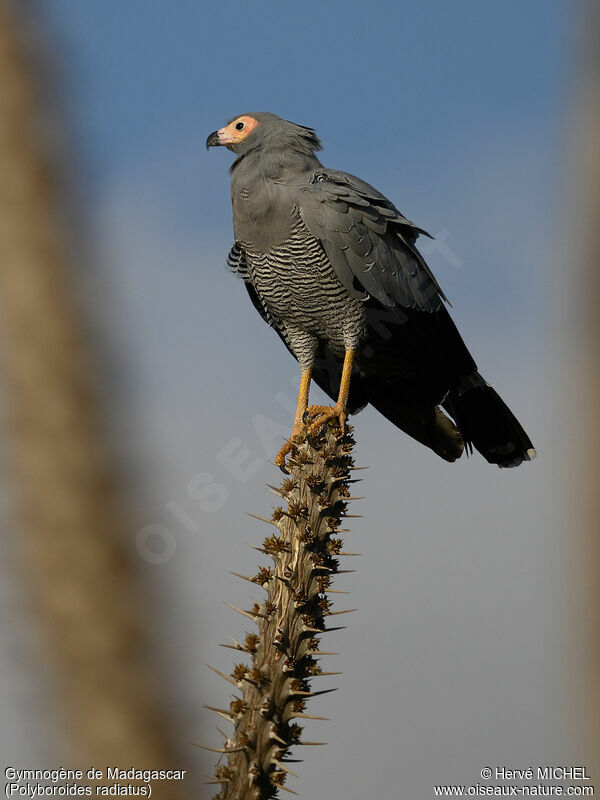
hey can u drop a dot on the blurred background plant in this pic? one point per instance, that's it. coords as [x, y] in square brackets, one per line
[142, 397]
[79, 576]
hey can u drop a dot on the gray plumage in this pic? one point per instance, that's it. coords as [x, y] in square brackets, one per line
[332, 265]
[299, 292]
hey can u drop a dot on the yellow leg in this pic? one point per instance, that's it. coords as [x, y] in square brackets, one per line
[298, 429]
[324, 413]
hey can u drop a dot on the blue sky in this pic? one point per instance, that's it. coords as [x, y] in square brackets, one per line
[458, 111]
[412, 77]
[449, 108]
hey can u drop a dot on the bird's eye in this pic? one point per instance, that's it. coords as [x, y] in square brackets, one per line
[240, 126]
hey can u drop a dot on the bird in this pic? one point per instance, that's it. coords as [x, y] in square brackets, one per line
[332, 265]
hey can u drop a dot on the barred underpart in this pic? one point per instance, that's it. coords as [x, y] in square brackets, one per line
[300, 289]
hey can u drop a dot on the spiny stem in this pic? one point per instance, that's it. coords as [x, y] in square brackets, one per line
[275, 685]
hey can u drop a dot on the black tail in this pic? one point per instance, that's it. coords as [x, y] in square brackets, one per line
[487, 423]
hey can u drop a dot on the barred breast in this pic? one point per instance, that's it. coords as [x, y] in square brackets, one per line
[299, 288]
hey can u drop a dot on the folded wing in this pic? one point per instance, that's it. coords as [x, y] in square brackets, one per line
[370, 244]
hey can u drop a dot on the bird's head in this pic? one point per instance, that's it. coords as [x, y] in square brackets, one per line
[235, 133]
[262, 129]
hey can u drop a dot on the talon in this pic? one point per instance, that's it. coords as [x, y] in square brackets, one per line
[280, 457]
[324, 414]
[288, 446]
[314, 411]
[309, 419]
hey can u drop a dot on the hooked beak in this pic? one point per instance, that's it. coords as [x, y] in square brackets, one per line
[213, 140]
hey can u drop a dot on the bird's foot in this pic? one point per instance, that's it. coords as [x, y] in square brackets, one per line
[324, 414]
[298, 434]
[314, 419]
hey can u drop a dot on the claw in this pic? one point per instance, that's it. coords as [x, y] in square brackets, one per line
[314, 418]
[324, 414]
[283, 452]
[309, 420]
[296, 437]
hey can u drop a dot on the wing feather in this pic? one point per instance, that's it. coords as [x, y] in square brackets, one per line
[369, 243]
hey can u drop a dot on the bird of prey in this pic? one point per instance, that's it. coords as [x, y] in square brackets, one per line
[333, 267]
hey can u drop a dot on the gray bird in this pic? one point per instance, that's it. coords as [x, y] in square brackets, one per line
[332, 266]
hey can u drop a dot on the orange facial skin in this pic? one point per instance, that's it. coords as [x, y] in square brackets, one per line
[234, 133]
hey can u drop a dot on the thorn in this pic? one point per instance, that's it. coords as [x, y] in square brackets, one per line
[218, 749]
[244, 577]
[223, 734]
[329, 630]
[293, 760]
[275, 490]
[323, 674]
[343, 553]
[353, 498]
[345, 571]
[222, 712]
[262, 519]
[245, 613]
[335, 613]
[285, 789]
[310, 744]
[285, 769]
[278, 739]
[208, 783]
[321, 653]
[335, 591]
[311, 694]
[353, 516]
[222, 674]
[310, 716]
[259, 549]
[355, 469]
[235, 646]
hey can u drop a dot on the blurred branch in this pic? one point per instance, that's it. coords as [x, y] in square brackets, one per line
[73, 543]
[584, 386]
